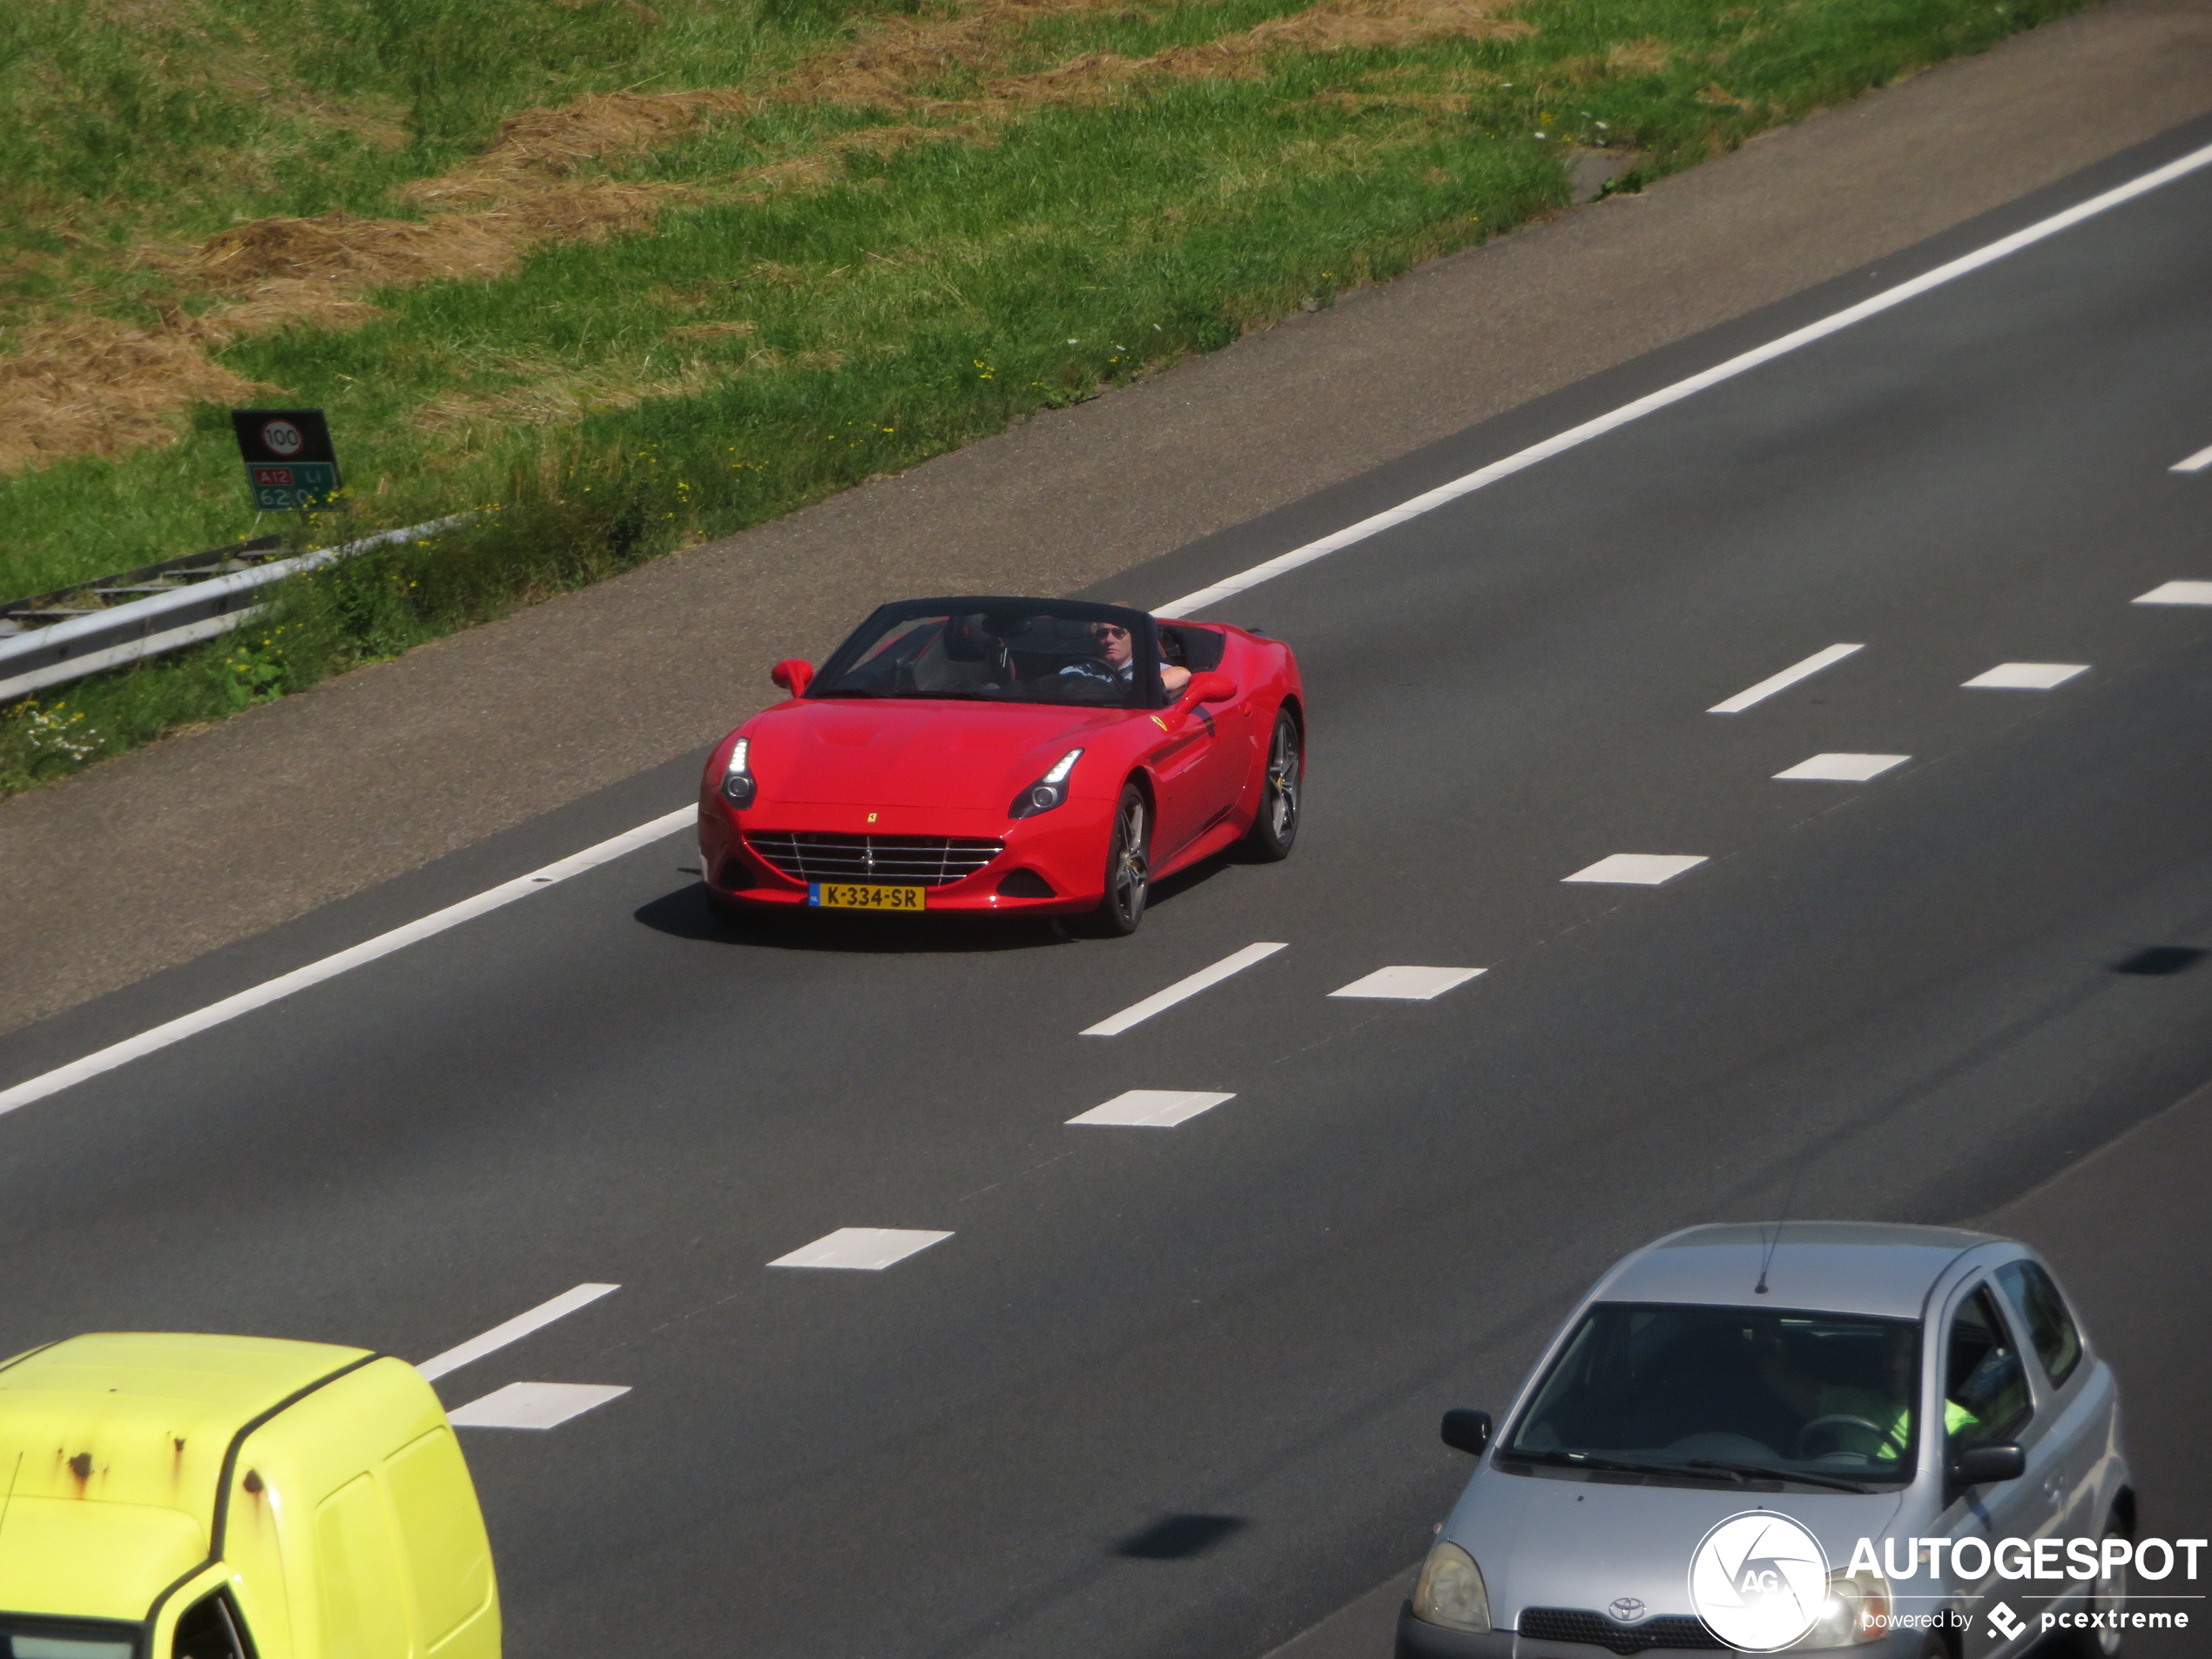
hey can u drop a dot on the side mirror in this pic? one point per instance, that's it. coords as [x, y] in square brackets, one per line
[1212, 686]
[1979, 1464]
[794, 674]
[1467, 1431]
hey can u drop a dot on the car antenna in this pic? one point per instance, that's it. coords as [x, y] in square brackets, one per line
[1775, 1244]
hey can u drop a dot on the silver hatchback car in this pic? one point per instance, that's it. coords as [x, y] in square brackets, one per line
[1826, 1436]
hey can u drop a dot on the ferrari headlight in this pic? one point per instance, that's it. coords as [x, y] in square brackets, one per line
[737, 776]
[1049, 790]
[1857, 1609]
[1450, 1591]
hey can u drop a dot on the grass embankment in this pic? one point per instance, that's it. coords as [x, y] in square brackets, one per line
[635, 275]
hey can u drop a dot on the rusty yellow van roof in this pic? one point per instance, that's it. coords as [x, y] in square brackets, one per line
[112, 1447]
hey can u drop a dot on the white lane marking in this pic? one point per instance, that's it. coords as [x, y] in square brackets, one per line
[868, 1249]
[1636, 869]
[1409, 984]
[1841, 768]
[2196, 463]
[2023, 676]
[514, 1329]
[1151, 1109]
[532, 1404]
[1747, 361]
[2177, 593]
[1782, 682]
[1236, 962]
[300, 979]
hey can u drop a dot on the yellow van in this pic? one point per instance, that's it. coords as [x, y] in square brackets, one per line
[192, 1497]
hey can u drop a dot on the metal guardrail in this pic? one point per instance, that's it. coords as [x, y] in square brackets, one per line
[52, 638]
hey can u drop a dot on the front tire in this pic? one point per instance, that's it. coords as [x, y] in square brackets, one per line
[1129, 865]
[1282, 793]
[2106, 1596]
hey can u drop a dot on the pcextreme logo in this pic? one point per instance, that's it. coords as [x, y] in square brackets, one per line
[1759, 1581]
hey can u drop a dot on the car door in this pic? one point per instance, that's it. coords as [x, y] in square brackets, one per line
[1988, 1398]
[1185, 769]
[2080, 1425]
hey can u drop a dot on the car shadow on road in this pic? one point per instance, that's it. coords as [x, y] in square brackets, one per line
[684, 914]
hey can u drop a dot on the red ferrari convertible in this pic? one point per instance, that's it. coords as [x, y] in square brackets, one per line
[1007, 755]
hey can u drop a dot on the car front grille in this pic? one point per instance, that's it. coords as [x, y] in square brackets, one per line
[1594, 1629]
[914, 860]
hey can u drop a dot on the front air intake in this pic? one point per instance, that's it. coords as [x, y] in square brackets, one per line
[910, 860]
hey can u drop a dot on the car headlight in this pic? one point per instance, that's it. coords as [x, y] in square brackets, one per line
[1857, 1609]
[1049, 790]
[737, 778]
[1450, 1591]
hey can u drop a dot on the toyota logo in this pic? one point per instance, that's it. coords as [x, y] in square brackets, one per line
[1626, 1609]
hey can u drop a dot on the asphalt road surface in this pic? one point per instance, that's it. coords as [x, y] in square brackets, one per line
[1173, 1392]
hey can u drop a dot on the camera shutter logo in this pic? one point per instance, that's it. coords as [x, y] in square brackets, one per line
[283, 438]
[1759, 1581]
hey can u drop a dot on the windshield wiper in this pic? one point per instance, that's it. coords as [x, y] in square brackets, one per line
[1834, 1482]
[1696, 1471]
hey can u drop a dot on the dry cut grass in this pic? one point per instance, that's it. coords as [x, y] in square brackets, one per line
[103, 389]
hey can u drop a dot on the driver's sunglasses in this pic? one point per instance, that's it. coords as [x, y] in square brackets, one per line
[1108, 631]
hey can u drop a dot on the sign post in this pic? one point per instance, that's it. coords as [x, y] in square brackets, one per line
[289, 461]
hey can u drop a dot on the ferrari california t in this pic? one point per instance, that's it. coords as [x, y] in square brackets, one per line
[1044, 756]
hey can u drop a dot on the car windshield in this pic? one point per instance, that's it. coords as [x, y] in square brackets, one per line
[1825, 1394]
[25, 1637]
[998, 651]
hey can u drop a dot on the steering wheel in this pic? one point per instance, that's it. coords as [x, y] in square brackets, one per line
[1837, 1420]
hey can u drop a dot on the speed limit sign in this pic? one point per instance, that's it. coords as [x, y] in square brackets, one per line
[288, 459]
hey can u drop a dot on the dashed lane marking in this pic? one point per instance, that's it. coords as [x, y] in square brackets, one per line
[1637, 869]
[1840, 768]
[1782, 682]
[868, 1250]
[2024, 676]
[1409, 984]
[2177, 593]
[532, 1404]
[1151, 1109]
[1137, 1013]
[514, 1329]
[2196, 463]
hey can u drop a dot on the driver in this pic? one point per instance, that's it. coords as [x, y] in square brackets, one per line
[1116, 660]
[1876, 1423]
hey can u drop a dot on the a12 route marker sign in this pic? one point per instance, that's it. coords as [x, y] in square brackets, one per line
[289, 461]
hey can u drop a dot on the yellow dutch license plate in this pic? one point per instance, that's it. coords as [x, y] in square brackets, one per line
[841, 895]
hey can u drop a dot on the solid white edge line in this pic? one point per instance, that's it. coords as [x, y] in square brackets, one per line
[1428, 501]
[514, 1330]
[1236, 962]
[300, 979]
[2196, 463]
[1782, 682]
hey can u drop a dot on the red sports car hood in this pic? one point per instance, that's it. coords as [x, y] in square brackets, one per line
[894, 752]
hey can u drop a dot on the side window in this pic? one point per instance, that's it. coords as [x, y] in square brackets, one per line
[212, 1630]
[2043, 1310]
[1985, 1394]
